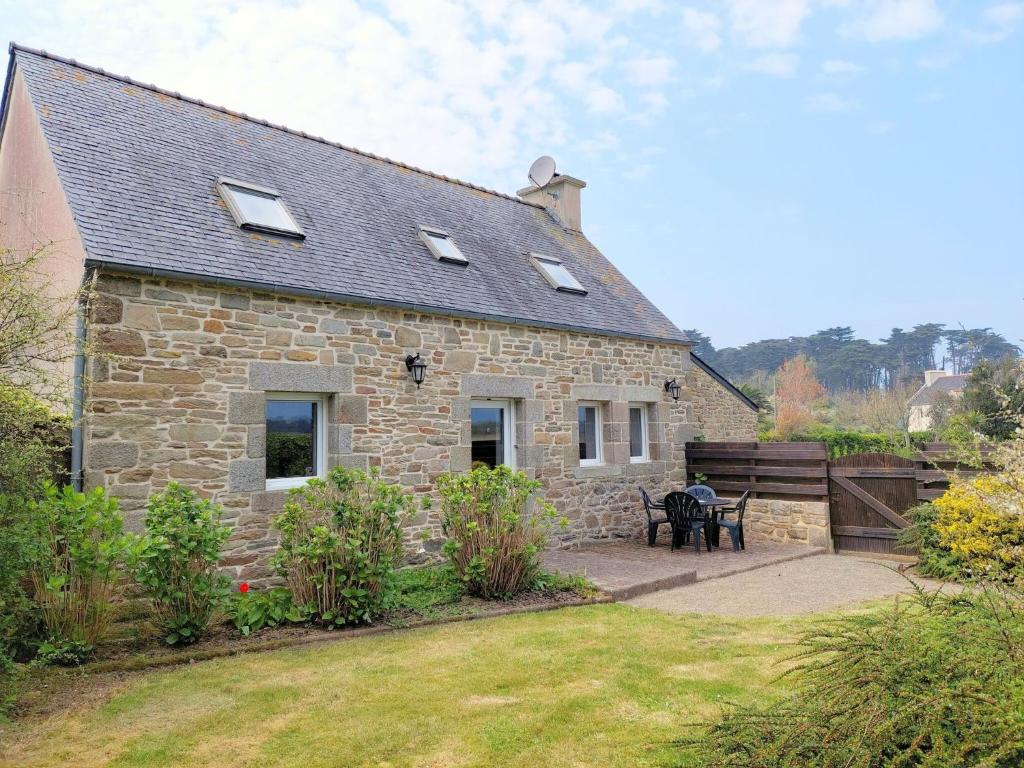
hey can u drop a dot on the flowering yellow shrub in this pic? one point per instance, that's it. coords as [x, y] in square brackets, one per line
[980, 522]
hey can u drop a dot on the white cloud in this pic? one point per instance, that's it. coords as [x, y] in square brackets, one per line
[653, 70]
[999, 21]
[880, 127]
[896, 20]
[767, 24]
[471, 89]
[602, 100]
[703, 28]
[655, 101]
[841, 68]
[830, 102]
[1004, 13]
[777, 64]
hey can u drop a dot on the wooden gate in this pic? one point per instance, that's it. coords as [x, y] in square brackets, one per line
[868, 494]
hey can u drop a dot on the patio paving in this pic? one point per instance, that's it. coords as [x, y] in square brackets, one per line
[627, 568]
[812, 585]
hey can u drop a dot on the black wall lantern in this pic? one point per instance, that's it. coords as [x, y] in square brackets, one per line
[418, 368]
[672, 387]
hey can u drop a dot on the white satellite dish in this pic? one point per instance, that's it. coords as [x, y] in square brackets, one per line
[542, 170]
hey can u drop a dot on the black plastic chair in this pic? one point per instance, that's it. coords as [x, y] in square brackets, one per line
[701, 491]
[652, 521]
[735, 527]
[687, 518]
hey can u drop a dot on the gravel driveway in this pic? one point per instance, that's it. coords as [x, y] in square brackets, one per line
[810, 585]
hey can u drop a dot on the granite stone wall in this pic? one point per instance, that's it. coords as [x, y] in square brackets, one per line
[789, 522]
[179, 393]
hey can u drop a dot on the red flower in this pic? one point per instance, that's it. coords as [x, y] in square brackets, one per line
[243, 587]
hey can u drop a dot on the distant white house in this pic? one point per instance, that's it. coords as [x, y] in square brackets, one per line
[935, 383]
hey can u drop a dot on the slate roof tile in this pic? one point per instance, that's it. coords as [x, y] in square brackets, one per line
[139, 166]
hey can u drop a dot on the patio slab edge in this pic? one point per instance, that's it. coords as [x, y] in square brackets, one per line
[646, 587]
[810, 552]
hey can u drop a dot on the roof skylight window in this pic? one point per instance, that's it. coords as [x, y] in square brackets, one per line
[442, 246]
[555, 272]
[258, 208]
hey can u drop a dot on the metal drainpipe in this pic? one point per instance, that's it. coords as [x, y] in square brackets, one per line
[78, 401]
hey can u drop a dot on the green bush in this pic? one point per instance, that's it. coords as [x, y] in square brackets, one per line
[933, 559]
[844, 442]
[20, 545]
[493, 544]
[932, 681]
[252, 611]
[21, 538]
[177, 563]
[34, 444]
[341, 541]
[77, 572]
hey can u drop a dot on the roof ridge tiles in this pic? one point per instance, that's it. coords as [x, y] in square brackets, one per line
[13, 47]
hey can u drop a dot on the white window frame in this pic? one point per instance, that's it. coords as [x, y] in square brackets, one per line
[284, 483]
[539, 260]
[427, 232]
[645, 442]
[598, 432]
[509, 406]
[244, 223]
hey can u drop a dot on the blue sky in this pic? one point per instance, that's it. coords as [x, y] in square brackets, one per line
[760, 168]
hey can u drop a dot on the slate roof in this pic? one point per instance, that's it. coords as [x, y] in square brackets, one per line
[139, 167]
[926, 394]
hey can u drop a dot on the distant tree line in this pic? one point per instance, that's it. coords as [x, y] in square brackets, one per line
[844, 363]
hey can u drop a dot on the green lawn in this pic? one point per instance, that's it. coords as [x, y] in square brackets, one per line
[601, 685]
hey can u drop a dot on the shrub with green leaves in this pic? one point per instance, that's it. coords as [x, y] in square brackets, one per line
[341, 541]
[21, 538]
[931, 681]
[177, 563]
[252, 611]
[76, 575]
[494, 541]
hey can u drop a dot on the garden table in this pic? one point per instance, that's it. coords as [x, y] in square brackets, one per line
[713, 505]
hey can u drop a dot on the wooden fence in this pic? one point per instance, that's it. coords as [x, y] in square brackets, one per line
[867, 493]
[796, 471]
[933, 465]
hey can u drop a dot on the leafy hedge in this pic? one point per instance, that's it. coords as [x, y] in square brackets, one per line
[844, 442]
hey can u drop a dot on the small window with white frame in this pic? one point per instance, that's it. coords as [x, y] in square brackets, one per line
[296, 439]
[440, 244]
[591, 449]
[638, 440]
[258, 208]
[557, 274]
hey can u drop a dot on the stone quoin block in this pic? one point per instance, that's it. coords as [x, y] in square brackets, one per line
[292, 377]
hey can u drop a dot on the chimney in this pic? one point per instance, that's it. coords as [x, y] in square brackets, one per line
[561, 196]
[930, 377]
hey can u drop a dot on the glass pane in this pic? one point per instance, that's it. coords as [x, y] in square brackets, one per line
[262, 210]
[636, 433]
[291, 438]
[487, 431]
[446, 247]
[562, 276]
[588, 432]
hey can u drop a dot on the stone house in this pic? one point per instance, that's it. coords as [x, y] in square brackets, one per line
[270, 304]
[936, 384]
